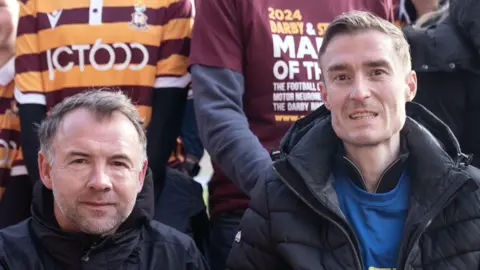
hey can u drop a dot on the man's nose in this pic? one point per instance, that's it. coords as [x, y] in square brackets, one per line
[360, 90]
[100, 180]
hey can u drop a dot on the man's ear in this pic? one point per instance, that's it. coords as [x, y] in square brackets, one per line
[141, 176]
[323, 91]
[411, 90]
[45, 170]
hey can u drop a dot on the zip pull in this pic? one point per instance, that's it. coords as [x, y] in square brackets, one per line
[276, 154]
[463, 160]
[86, 257]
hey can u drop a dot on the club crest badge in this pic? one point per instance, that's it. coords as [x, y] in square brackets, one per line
[139, 18]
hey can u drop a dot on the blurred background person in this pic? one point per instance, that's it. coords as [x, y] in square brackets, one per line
[181, 204]
[408, 11]
[189, 149]
[445, 45]
[254, 72]
[140, 47]
[15, 187]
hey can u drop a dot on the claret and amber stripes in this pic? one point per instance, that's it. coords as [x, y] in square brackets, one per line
[60, 52]
[11, 158]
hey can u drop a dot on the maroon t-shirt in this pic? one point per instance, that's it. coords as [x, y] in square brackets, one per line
[274, 44]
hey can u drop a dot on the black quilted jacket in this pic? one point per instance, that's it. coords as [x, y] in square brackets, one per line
[140, 243]
[294, 220]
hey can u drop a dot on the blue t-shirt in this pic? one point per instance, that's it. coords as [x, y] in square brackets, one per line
[377, 219]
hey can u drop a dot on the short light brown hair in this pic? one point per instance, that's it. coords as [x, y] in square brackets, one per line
[103, 103]
[356, 21]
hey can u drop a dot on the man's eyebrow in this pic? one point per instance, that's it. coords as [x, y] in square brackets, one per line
[115, 156]
[377, 63]
[337, 67]
[77, 153]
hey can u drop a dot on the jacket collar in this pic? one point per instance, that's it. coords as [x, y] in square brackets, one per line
[68, 249]
[389, 178]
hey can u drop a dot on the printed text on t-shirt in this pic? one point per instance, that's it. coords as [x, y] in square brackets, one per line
[296, 86]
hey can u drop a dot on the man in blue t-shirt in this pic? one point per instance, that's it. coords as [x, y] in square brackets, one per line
[368, 181]
[376, 213]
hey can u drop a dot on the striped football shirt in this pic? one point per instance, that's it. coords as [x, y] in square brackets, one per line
[11, 157]
[66, 47]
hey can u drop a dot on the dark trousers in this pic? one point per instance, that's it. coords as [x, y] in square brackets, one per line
[15, 203]
[222, 234]
[181, 207]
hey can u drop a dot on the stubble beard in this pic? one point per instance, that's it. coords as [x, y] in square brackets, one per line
[96, 223]
[89, 222]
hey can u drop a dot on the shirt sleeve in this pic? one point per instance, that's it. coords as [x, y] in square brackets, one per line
[175, 46]
[29, 87]
[217, 39]
[223, 126]
[216, 62]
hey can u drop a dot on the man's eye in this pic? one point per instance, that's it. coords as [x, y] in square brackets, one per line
[378, 72]
[119, 164]
[342, 77]
[79, 161]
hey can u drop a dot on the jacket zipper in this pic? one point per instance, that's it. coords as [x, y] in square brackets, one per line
[381, 176]
[427, 221]
[386, 170]
[356, 253]
[418, 234]
[358, 171]
[86, 256]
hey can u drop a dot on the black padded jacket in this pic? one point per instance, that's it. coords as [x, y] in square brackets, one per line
[141, 243]
[295, 222]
